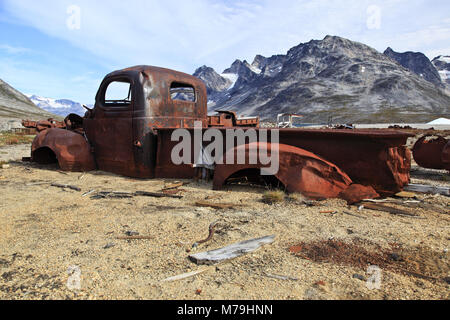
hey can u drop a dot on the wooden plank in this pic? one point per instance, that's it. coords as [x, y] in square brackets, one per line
[392, 210]
[136, 238]
[354, 215]
[217, 205]
[279, 277]
[186, 275]
[174, 186]
[230, 252]
[65, 186]
[422, 188]
[156, 195]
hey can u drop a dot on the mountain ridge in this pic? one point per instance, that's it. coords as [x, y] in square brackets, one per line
[336, 77]
[15, 106]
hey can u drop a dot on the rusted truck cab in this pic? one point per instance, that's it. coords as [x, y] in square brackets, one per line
[130, 104]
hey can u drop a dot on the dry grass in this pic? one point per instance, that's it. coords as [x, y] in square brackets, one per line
[273, 196]
[13, 139]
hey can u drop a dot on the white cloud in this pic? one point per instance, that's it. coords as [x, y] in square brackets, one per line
[13, 50]
[185, 34]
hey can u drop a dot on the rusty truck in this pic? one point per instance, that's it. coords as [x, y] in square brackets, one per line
[131, 135]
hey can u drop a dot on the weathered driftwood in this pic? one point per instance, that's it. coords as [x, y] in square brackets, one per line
[37, 183]
[230, 252]
[428, 189]
[65, 186]
[276, 276]
[392, 210]
[88, 193]
[354, 215]
[118, 194]
[156, 195]
[186, 275]
[217, 205]
[112, 194]
[426, 206]
[135, 238]
[174, 186]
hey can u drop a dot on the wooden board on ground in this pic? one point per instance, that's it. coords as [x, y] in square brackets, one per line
[428, 189]
[384, 208]
[217, 205]
[230, 252]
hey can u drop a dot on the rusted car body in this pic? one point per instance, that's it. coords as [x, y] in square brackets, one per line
[133, 137]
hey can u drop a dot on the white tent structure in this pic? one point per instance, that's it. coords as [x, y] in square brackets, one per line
[444, 121]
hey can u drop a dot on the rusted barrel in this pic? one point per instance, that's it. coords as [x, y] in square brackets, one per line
[428, 152]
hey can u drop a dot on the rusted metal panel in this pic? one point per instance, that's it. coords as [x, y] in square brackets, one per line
[299, 171]
[446, 156]
[432, 152]
[71, 149]
[369, 157]
[43, 124]
[378, 158]
[230, 119]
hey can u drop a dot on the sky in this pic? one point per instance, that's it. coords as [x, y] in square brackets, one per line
[63, 49]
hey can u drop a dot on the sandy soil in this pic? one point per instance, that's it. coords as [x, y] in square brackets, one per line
[14, 152]
[46, 230]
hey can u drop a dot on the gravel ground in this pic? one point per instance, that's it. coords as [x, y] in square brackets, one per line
[14, 152]
[47, 231]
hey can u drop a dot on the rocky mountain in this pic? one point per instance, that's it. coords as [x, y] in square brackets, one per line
[336, 77]
[418, 63]
[442, 64]
[15, 106]
[61, 107]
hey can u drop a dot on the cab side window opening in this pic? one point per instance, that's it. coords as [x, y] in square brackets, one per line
[118, 94]
[182, 91]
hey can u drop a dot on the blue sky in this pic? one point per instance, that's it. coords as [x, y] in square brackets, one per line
[48, 49]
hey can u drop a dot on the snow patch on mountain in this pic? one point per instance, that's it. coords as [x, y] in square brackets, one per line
[61, 107]
[232, 77]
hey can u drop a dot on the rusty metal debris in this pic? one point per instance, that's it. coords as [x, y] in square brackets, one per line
[132, 137]
[212, 229]
[432, 152]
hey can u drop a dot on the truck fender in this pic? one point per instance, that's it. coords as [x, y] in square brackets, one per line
[299, 171]
[71, 150]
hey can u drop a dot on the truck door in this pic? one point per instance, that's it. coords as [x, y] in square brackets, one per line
[113, 125]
